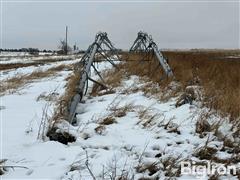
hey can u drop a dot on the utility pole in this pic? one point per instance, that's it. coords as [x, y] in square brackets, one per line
[66, 40]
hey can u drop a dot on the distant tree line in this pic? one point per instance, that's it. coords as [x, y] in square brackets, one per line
[33, 51]
[36, 51]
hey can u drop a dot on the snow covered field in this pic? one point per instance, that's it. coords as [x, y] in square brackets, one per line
[6, 74]
[21, 54]
[30, 59]
[4, 53]
[134, 136]
[21, 117]
[21, 114]
[123, 133]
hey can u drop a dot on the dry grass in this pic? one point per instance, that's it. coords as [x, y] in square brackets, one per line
[103, 122]
[107, 120]
[142, 65]
[35, 63]
[13, 84]
[206, 153]
[47, 124]
[151, 168]
[118, 111]
[71, 90]
[219, 76]
[100, 129]
[18, 65]
[61, 111]
[202, 124]
[213, 70]
[146, 118]
[112, 78]
[170, 166]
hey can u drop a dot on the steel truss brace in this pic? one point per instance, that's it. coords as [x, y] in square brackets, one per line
[145, 43]
[86, 62]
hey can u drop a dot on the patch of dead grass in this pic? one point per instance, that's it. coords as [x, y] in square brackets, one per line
[151, 168]
[212, 70]
[100, 129]
[14, 83]
[70, 91]
[112, 79]
[146, 118]
[107, 120]
[41, 62]
[121, 111]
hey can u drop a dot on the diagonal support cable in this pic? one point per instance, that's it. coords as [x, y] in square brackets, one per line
[106, 57]
[98, 73]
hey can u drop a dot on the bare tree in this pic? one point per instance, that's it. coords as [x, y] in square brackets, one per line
[64, 48]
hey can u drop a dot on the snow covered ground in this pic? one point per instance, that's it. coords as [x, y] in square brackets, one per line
[143, 134]
[6, 74]
[21, 114]
[19, 54]
[5, 53]
[31, 59]
[119, 133]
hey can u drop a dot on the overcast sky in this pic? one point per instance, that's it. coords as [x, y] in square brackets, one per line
[171, 24]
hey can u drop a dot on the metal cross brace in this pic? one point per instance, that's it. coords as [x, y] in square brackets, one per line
[87, 62]
[145, 43]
